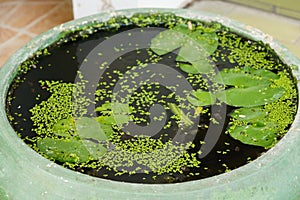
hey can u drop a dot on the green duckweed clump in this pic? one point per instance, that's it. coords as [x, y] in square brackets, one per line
[60, 105]
[117, 134]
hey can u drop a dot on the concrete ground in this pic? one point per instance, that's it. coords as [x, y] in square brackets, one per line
[284, 29]
[21, 20]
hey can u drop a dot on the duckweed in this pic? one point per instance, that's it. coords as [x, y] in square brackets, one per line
[140, 124]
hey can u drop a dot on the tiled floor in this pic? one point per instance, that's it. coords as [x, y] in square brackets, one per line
[21, 20]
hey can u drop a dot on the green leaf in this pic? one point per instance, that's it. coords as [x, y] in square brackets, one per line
[191, 52]
[195, 47]
[249, 114]
[200, 66]
[196, 58]
[188, 68]
[64, 127]
[108, 130]
[121, 112]
[96, 150]
[198, 47]
[203, 98]
[251, 96]
[167, 41]
[245, 77]
[252, 126]
[239, 78]
[207, 41]
[70, 150]
[264, 136]
[106, 120]
[195, 101]
[182, 28]
[122, 119]
[263, 73]
[183, 117]
[89, 128]
[120, 108]
[114, 113]
[104, 107]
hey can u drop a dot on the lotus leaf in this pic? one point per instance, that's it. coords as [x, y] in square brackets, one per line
[89, 128]
[167, 41]
[264, 136]
[108, 130]
[113, 113]
[249, 114]
[240, 78]
[64, 127]
[71, 150]
[195, 47]
[208, 41]
[263, 73]
[201, 66]
[96, 150]
[203, 98]
[191, 52]
[254, 128]
[182, 28]
[251, 96]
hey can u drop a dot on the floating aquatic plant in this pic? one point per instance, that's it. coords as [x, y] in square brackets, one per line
[202, 98]
[247, 88]
[250, 87]
[70, 150]
[195, 47]
[180, 114]
[263, 125]
[253, 127]
[251, 82]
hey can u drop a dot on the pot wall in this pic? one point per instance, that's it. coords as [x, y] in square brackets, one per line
[24, 174]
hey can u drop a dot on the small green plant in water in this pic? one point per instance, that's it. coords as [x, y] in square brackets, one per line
[195, 47]
[248, 87]
[251, 89]
[261, 95]
[252, 126]
[180, 114]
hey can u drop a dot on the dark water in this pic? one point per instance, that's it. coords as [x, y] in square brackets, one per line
[63, 64]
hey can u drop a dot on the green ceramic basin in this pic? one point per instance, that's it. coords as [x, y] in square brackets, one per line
[24, 174]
